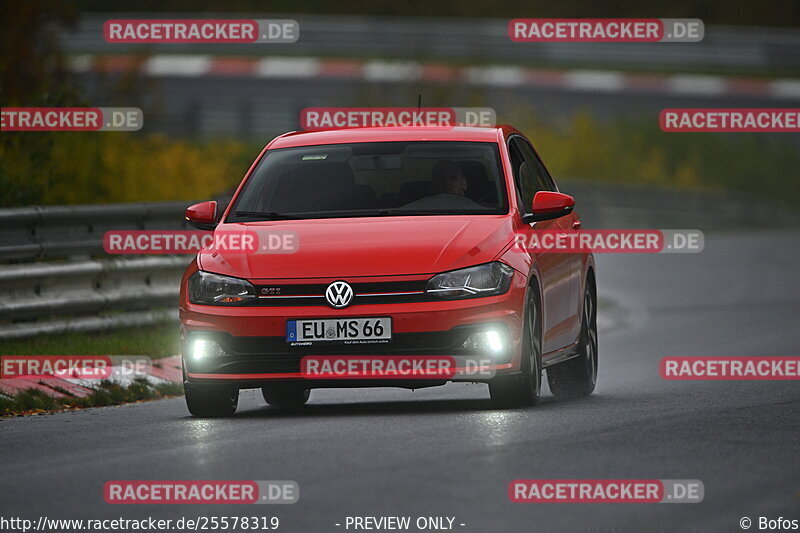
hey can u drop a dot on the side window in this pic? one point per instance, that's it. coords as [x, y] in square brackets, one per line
[523, 176]
[541, 178]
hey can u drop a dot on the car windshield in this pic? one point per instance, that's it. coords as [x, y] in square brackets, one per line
[374, 179]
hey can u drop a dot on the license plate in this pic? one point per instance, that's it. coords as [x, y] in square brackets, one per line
[339, 329]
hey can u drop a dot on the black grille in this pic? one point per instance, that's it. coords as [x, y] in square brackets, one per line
[302, 294]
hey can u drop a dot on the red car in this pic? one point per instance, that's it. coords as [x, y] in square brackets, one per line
[406, 246]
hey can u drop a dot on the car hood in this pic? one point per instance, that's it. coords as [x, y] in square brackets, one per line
[362, 247]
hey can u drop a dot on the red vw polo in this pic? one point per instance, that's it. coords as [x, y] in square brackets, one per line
[394, 243]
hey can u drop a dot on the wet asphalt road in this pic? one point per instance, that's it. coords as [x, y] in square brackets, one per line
[447, 452]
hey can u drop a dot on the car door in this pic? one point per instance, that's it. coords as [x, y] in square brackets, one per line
[570, 222]
[554, 268]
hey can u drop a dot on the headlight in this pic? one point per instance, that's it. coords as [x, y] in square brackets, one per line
[482, 280]
[212, 289]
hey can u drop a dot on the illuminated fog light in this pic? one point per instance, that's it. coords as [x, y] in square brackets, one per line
[204, 349]
[485, 341]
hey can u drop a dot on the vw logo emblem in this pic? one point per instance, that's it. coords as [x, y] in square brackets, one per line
[339, 294]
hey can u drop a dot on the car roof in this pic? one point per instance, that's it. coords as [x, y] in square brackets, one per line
[387, 134]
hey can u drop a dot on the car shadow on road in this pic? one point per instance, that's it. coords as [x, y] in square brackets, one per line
[410, 407]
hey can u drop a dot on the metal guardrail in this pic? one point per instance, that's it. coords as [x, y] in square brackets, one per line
[30, 233]
[56, 278]
[41, 289]
[467, 40]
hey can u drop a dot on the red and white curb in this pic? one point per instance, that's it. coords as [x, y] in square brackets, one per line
[378, 71]
[162, 371]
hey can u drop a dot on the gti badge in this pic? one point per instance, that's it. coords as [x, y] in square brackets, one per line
[339, 294]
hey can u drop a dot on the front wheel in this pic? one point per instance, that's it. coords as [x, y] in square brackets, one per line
[577, 377]
[285, 395]
[523, 389]
[211, 401]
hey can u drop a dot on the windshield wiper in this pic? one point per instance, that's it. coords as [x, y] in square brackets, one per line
[407, 212]
[269, 215]
[272, 215]
[352, 213]
[355, 213]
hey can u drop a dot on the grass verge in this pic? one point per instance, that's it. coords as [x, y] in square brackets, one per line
[154, 341]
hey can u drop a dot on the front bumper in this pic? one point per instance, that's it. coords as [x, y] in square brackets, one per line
[256, 350]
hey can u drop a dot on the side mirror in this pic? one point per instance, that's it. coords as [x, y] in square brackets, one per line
[202, 215]
[548, 205]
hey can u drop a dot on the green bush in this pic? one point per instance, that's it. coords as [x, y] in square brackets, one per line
[637, 151]
[107, 167]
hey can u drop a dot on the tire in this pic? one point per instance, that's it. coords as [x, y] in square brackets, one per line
[577, 377]
[285, 395]
[524, 389]
[211, 401]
